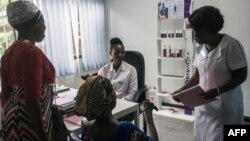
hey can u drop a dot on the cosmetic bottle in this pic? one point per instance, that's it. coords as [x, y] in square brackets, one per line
[169, 51]
[180, 51]
[164, 51]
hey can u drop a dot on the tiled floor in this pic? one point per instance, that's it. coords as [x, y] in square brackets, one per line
[170, 129]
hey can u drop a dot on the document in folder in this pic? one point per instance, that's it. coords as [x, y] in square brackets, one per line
[192, 97]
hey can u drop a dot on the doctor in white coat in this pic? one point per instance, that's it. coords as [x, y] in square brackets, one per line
[221, 67]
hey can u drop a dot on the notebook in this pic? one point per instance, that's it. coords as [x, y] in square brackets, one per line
[192, 97]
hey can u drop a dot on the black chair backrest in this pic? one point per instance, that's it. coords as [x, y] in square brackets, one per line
[136, 59]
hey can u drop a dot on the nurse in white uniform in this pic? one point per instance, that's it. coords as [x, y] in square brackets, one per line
[221, 68]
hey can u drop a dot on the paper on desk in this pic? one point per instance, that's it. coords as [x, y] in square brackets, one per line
[62, 101]
[71, 94]
[76, 120]
[192, 97]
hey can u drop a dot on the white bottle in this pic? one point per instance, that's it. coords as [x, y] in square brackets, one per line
[153, 95]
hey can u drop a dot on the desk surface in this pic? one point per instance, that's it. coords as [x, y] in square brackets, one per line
[122, 108]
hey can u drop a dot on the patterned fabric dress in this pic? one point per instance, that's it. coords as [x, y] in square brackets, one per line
[26, 75]
[16, 124]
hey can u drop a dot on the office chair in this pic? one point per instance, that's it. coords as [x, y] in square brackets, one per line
[136, 59]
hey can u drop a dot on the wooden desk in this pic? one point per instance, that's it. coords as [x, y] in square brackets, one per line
[122, 108]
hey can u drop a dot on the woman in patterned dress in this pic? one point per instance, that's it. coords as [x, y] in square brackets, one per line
[27, 75]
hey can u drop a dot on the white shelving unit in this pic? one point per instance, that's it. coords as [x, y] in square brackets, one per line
[172, 67]
[168, 112]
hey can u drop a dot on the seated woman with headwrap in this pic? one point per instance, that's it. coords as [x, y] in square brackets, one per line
[95, 100]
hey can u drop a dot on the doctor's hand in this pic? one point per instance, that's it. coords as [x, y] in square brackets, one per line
[210, 94]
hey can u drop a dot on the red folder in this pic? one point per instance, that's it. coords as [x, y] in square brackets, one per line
[191, 97]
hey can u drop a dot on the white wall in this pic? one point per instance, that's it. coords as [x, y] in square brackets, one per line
[135, 22]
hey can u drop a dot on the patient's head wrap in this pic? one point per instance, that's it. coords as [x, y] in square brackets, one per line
[20, 12]
[95, 96]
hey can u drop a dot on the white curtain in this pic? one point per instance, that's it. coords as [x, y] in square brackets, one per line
[92, 29]
[59, 41]
[59, 38]
[73, 5]
[67, 23]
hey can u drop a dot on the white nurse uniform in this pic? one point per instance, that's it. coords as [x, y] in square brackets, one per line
[215, 70]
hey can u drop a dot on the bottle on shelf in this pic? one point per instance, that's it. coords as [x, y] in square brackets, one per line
[180, 33]
[180, 52]
[162, 34]
[172, 34]
[169, 51]
[169, 34]
[177, 54]
[164, 51]
[177, 34]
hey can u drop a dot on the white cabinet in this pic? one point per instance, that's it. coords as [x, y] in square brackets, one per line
[175, 55]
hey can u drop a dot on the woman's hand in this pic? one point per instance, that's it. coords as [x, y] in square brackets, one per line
[136, 136]
[147, 106]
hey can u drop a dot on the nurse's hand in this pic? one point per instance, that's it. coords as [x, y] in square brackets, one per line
[210, 94]
[175, 98]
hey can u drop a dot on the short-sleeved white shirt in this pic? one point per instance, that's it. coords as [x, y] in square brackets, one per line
[215, 70]
[124, 81]
[216, 66]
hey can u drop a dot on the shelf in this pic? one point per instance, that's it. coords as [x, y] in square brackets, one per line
[172, 70]
[171, 76]
[171, 38]
[167, 94]
[188, 29]
[171, 58]
[167, 112]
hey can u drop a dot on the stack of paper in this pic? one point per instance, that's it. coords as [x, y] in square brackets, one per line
[65, 100]
[76, 120]
[63, 103]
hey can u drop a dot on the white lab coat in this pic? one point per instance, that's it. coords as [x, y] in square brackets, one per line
[214, 70]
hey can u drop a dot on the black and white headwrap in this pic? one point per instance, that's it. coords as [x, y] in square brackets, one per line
[20, 12]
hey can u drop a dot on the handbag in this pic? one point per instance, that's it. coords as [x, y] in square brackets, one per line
[61, 132]
[57, 119]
